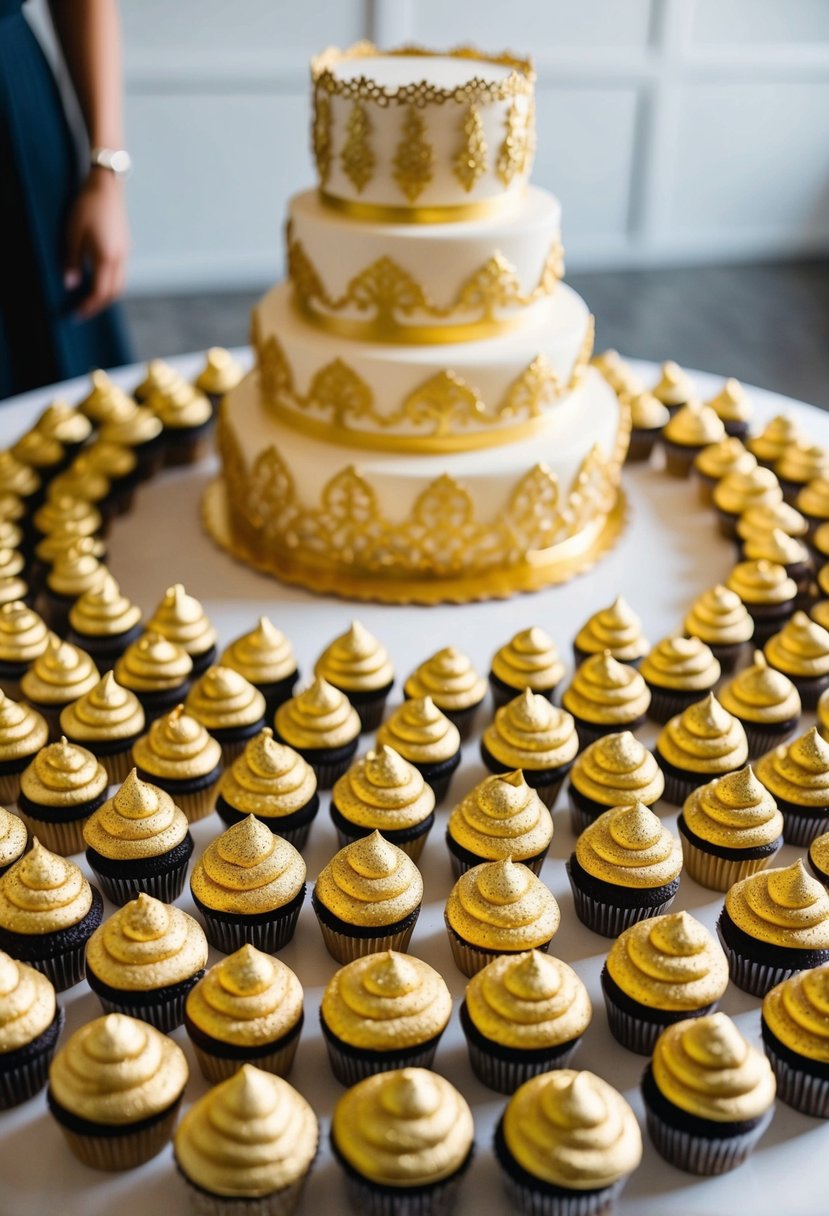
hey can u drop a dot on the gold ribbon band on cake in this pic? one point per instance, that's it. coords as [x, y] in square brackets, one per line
[388, 213]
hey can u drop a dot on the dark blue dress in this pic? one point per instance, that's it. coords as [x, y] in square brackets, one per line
[40, 340]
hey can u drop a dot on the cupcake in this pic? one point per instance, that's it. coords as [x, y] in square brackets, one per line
[157, 671]
[697, 745]
[114, 1090]
[648, 417]
[566, 1143]
[321, 724]
[67, 514]
[799, 464]
[266, 658]
[139, 842]
[66, 424]
[605, 696]
[678, 672]
[144, 959]
[57, 678]
[186, 416]
[20, 479]
[107, 721]
[732, 405]
[782, 550]
[221, 373]
[404, 1142]
[797, 776]
[691, 428]
[50, 548]
[522, 1015]
[625, 868]
[382, 792]
[180, 619]
[813, 502]
[249, 886]
[23, 732]
[616, 770]
[119, 464]
[104, 623]
[179, 756]
[229, 707]
[709, 1095]
[274, 783]
[529, 660]
[501, 817]
[13, 586]
[359, 666]
[73, 572]
[59, 790]
[47, 912]
[30, 1023]
[795, 1029]
[720, 619]
[13, 839]
[539, 738]
[82, 480]
[765, 701]
[717, 461]
[818, 858]
[738, 491]
[617, 629]
[423, 735]
[138, 429]
[801, 651]
[729, 828]
[381, 1012]
[454, 685]
[674, 387]
[158, 377]
[247, 1146]
[758, 522]
[105, 399]
[500, 907]
[367, 899]
[773, 924]
[247, 1009]
[43, 453]
[660, 971]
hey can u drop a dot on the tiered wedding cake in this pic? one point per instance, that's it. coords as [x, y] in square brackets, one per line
[422, 422]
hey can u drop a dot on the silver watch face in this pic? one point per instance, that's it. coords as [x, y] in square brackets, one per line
[120, 161]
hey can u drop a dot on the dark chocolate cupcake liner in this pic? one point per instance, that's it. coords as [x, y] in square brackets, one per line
[751, 976]
[328, 772]
[545, 782]
[532, 1197]
[642, 442]
[462, 859]
[267, 935]
[372, 1199]
[165, 1016]
[283, 1202]
[464, 719]
[591, 732]
[581, 818]
[666, 703]
[797, 1087]
[471, 959]
[702, 1155]
[762, 739]
[801, 828]
[439, 776]
[409, 840]
[202, 661]
[167, 887]
[26, 1070]
[295, 827]
[503, 693]
[10, 785]
[679, 786]
[344, 948]
[369, 711]
[197, 801]
[350, 1065]
[505, 1073]
[638, 1031]
[612, 919]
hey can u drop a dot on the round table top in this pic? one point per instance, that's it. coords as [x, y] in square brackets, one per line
[668, 554]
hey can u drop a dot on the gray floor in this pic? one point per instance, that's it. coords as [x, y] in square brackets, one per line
[766, 324]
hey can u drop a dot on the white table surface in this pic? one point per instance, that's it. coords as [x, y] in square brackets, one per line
[669, 553]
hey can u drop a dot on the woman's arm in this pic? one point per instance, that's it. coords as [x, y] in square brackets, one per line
[97, 234]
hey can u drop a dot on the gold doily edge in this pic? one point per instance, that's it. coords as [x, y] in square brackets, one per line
[547, 568]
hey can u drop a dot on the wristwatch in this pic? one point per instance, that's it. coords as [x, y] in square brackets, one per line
[117, 160]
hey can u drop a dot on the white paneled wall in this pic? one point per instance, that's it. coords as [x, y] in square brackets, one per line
[672, 130]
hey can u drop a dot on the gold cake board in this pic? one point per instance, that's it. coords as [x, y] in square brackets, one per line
[543, 568]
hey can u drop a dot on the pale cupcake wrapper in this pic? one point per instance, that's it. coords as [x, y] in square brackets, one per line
[117, 765]
[216, 1068]
[166, 886]
[797, 1087]
[9, 788]
[471, 959]
[199, 804]
[344, 948]
[283, 1202]
[719, 873]
[64, 838]
[702, 1155]
[113, 1153]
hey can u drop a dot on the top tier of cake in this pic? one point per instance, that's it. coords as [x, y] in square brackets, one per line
[411, 135]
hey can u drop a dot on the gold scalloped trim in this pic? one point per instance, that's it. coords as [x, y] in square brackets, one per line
[421, 93]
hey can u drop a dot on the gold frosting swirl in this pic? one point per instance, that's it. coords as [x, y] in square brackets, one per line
[617, 629]
[146, 945]
[27, 1004]
[669, 962]
[530, 732]
[153, 664]
[223, 699]
[449, 678]
[114, 460]
[319, 717]
[180, 618]
[251, 1135]
[263, 656]
[813, 499]
[181, 406]
[501, 905]
[704, 1066]
[248, 999]
[802, 462]
[39, 450]
[681, 663]
[618, 770]
[647, 413]
[221, 372]
[177, 748]
[799, 772]
[606, 691]
[733, 812]
[248, 870]
[420, 732]
[118, 1070]
[528, 1001]
[572, 1129]
[759, 693]
[12, 564]
[159, 375]
[704, 738]
[739, 490]
[22, 730]
[800, 649]
[105, 400]
[674, 386]
[370, 883]
[796, 1011]
[13, 837]
[355, 662]
[783, 907]
[529, 660]
[23, 635]
[760, 521]
[404, 1128]
[80, 480]
[385, 1002]
[76, 569]
[269, 779]
[107, 712]
[64, 423]
[61, 674]
[629, 847]
[729, 455]
[694, 425]
[63, 775]
[43, 893]
[732, 403]
[819, 853]
[502, 817]
[103, 612]
[383, 791]
[67, 514]
[16, 477]
[776, 546]
[139, 821]
[59, 541]
[719, 618]
[134, 426]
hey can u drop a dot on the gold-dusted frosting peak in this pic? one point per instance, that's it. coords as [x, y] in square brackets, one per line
[674, 386]
[22, 730]
[607, 692]
[647, 412]
[76, 569]
[813, 499]
[321, 716]
[103, 612]
[61, 674]
[17, 477]
[223, 699]
[355, 662]
[528, 1001]
[269, 779]
[704, 738]
[501, 905]
[27, 1004]
[370, 883]
[760, 521]
[153, 664]
[529, 660]
[383, 791]
[684, 664]
[117, 1070]
[139, 821]
[248, 870]
[800, 649]
[38, 449]
[13, 837]
[796, 1011]
[449, 678]
[68, 514]
[732, 403]
[798, 772]
[132, 427]
[180, 618]
[159, 375]
[759, 693]
[105, 400]
[776, 546]
[146, 945]
[23, 634]
[63, 775]
[247, 999]
[705, 1067]
[43, 893]
[741, 489]
[408, 1127]
[530, 732]
[177, 748]
[263, 656]
[64, 423]
[802, 462]
[617, 629]
[618, 770]
[385, 1002]
[572, 1129]
[728, 455]
[629, 847]
[419, 731]
[719, 618]
[669, 962]
[783, 907]
[107, 712]
[221, 372]
[694, 425]
[775, 437]
[502, 817]
[734, 812]
[180, 406]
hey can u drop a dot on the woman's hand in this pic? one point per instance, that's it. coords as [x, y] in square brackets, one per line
[97, 240]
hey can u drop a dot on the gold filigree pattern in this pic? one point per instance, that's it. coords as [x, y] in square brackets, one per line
[511, 154]
[414, 158]
[357, 158]
[321, 136]
[471, 158]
